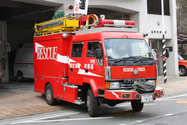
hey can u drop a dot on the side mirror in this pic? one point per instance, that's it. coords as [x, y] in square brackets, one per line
[7, 47]
[167, 52]
[99, 54]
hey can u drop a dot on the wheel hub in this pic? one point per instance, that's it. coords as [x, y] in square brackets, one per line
[48, 94]
[88, 103]
[181, 71]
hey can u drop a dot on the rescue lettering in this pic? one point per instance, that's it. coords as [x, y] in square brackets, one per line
[131, 69]
[127, 69]
[47, 53]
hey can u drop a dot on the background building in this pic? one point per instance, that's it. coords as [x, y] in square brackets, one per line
[18, 18]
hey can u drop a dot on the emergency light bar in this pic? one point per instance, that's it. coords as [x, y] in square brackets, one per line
[116, 23]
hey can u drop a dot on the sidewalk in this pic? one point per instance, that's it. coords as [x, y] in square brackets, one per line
[173, 85]
[24, 104]
[21, 104]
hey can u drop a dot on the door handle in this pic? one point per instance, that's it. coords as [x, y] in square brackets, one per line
[86, 70]
[71, 69]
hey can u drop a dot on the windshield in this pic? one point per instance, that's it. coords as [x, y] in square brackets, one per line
[123, 49]
[180, 57]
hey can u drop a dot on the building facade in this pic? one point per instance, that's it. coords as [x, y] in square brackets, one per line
[145, 13]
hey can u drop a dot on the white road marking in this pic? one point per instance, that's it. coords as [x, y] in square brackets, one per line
[139, 121]
[44, 117]
[62, 120]
[176, 96]
[158, 117]
[169, 114]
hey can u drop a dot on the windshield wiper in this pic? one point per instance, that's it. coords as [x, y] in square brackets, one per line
[137, 60]
[109, 57]
[132, 58]
[143, 59]
[124, 59]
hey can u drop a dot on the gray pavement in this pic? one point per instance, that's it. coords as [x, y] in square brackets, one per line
[19, 99]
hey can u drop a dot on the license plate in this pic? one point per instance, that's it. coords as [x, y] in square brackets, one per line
[146, 98]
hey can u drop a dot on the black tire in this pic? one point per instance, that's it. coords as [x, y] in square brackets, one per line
[19, 76]
[49, 95]
[92, 103]
[182, 71]
[137, 105]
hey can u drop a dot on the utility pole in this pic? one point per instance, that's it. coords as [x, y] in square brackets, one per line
[163, 44]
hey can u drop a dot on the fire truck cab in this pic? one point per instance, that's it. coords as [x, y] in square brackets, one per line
[95, 66]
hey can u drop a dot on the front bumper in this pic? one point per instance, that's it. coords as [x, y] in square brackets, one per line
[131, 95]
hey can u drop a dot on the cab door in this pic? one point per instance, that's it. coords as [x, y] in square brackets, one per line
[75, 62]
[93, 68]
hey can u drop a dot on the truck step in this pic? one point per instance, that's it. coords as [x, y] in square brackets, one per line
[79, 102]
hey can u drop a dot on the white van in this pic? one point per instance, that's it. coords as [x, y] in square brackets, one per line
[23, 63]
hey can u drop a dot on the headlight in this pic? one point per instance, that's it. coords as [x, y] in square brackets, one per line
[112, 85]
[107, 73]
[151, 82]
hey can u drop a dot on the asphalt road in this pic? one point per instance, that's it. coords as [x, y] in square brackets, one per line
[169, 110]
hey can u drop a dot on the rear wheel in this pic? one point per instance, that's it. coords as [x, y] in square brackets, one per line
[92, 103]
[19, 76]
[182, 71]
[49, 95]
[137, 105]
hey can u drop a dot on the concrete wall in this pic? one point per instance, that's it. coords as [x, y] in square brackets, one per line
[156, 30]
[19, 32]
[172, 62]
[137, 13]
[137, 9]
[170, 36]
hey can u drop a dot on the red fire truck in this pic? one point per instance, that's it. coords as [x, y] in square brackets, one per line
[104, 62]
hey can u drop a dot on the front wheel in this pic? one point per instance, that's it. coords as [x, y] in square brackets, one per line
[137, 105]
[49, 95]
[182, 71]
[92, 103]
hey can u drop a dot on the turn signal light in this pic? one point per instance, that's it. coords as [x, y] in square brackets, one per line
[107, 85]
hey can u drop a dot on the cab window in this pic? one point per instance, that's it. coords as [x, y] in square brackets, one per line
[91, 49]
[77, 49]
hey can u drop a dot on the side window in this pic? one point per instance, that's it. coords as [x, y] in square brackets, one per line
[91, 50]
[77, 49]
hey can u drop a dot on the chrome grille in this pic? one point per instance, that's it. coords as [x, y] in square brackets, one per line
[126, 86]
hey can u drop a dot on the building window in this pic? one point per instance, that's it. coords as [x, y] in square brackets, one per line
[154, 7]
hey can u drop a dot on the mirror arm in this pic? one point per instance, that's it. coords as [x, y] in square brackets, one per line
[163, 58]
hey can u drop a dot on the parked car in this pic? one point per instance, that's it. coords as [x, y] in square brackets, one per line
[23, 63]
[182, 65]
